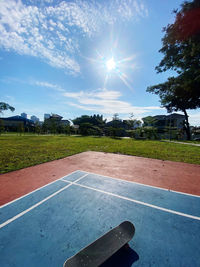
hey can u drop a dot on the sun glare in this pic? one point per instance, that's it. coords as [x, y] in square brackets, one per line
[113, 67]
[110, 64]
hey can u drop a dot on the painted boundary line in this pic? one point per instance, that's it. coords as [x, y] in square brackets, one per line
[146, 185]
[42, 201]
[113, 178]
[69, 183]
[12, 201]
[139, 202]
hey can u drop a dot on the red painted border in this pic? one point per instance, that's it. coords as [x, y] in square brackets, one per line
[176, 176]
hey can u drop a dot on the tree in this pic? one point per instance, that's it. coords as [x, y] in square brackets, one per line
[137, 123]
[149, 121]
[132, 123]
[53, 126]
[20, 128]
[96, 120]
[2, 127]
[37, 128]
[181, 49]
[45, 127]
[115, 132]
[5, 106]
[67, 129]
[115, 117]
[85, 128]
[150, 132]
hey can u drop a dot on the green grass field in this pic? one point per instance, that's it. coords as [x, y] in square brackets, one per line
[17, 152]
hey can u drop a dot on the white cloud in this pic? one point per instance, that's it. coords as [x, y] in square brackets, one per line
[21, 30]
[194, 118]
[48, 85]
[52, 31]
[106, 102]
[100, 93]
[130, 9]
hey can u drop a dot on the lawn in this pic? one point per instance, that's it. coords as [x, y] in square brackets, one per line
[17, 152]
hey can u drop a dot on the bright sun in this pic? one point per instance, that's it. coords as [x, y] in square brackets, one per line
[110, 64]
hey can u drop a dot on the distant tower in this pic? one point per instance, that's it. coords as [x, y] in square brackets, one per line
[46, 116]
[34, 118]
[24, 115]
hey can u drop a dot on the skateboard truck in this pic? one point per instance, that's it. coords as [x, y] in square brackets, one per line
[104, 247]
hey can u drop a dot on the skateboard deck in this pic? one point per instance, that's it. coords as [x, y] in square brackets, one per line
[103, 248]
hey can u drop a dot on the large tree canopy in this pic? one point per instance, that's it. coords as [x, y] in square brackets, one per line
[181, 49]
[181, 42]
[5, 106]
[96, 120]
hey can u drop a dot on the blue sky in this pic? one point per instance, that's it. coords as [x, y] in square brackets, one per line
[83, 57]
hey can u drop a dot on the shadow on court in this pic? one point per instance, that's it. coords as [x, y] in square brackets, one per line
[125, 257]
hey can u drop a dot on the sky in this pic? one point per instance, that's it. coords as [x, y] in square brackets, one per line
[83, 57]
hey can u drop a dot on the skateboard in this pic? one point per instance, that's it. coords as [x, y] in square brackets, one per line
[103, 248]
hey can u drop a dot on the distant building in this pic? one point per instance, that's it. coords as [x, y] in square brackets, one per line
[75, 127]
[46, 116]
[162, 121]
[168, 126]
[65, 122]
[57, 119]
[14, 123]
[24, 115]
[176, 120]
[35, 119]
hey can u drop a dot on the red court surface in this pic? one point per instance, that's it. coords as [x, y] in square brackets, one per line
[165, 174]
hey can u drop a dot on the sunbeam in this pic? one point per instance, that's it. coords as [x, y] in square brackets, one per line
[124, 78]
[114, 67]
[105, 81]
[127, 59]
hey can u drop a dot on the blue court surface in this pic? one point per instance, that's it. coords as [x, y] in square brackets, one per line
[51, 224]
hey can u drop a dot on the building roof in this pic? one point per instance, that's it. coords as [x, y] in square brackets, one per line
[160, 117]
[173, 115]
[176, 115]
[56, 116]
[17, 118]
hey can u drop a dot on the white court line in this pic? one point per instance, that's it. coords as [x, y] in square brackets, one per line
[139, 202]
[151, 186]
[39, 203]
[4, 205]
[94, 189]
[113, 178]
